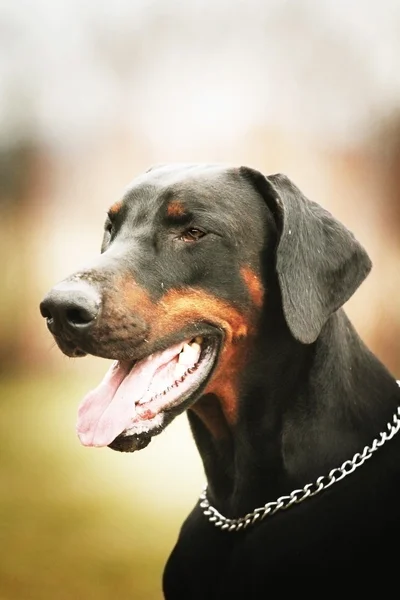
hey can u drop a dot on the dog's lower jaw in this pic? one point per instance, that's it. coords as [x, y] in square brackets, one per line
[129, 443]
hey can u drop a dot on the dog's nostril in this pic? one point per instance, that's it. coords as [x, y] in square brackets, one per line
[46, 313]
[79, 316]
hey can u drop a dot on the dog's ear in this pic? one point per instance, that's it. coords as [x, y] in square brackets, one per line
[319, 262]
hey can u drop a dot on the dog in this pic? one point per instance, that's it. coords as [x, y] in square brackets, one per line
[219, 292]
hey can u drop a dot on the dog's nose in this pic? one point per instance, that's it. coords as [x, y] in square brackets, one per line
[71, 306]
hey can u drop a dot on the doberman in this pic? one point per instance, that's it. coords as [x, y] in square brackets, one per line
[219, 291]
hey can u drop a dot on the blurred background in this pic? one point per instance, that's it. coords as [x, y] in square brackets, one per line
[91, 94]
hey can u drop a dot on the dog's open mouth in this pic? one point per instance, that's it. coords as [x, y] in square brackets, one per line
[131, 403]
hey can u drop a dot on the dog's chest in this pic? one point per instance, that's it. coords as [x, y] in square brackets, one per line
[344, 532]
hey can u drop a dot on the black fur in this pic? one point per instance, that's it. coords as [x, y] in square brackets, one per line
[311, 394]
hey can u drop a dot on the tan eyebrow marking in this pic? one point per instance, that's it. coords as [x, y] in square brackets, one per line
[175, 209]
[115, 208]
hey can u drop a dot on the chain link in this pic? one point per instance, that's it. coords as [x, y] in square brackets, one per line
[308, 491]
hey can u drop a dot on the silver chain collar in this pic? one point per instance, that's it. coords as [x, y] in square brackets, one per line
[297, 496]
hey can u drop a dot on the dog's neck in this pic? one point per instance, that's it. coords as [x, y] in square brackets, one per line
[304, 410]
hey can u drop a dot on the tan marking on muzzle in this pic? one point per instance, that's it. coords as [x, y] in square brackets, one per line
[125, 300]
[179, 308]
[175, 310]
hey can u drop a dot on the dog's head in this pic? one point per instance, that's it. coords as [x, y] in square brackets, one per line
[178, 293]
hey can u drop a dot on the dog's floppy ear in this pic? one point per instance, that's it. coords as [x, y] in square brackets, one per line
[319, 262]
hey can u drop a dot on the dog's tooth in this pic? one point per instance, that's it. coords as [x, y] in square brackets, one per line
[180, 370]
[198, 340]
[184, 357]
[196, 348]
[189, 354]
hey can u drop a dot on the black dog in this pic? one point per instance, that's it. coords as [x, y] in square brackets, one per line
[219, 291]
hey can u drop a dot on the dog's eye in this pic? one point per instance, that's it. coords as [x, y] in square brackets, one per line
[108, 227]
[108, 234]
[192, 235]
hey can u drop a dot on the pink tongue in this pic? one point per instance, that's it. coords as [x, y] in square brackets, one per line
[108, 410]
